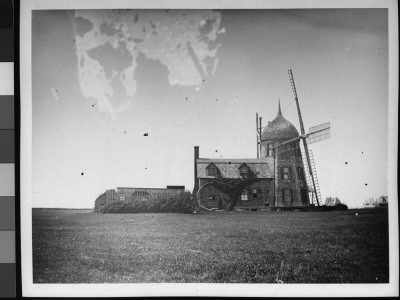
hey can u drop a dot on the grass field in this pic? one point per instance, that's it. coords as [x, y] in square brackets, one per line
[77, 246]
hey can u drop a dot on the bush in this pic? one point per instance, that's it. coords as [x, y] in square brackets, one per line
[181, 203]
[339, 206]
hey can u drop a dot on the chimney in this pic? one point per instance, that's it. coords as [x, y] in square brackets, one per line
[196, 156]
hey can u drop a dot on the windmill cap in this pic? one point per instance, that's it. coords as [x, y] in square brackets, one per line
[279, 128]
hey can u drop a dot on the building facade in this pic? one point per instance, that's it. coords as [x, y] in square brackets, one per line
[382, 201]
[279, 178]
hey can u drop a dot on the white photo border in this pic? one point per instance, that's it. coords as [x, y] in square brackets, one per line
[200, 289]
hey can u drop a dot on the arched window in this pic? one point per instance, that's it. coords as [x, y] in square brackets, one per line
[244, 171]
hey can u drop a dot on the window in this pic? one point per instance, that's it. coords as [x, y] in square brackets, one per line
[140, 193]
[269, 150]
[297, 150]
[244, 170]
[285, 172]
[304, 196]
[256, 193]
[300, 172]
[122, 198]
[243, 196]
[287, 196]
[212, 170]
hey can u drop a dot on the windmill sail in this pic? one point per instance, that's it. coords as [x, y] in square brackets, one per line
[319, 133]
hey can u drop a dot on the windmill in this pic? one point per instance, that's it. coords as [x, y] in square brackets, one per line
[315, 134]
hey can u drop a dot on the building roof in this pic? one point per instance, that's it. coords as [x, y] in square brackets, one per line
[141, 188]
[279, 128]
[229, 168]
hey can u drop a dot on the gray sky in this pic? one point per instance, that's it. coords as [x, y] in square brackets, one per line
[198, 82]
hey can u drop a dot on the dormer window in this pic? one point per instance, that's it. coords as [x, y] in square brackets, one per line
[244, 171]
[212, 170]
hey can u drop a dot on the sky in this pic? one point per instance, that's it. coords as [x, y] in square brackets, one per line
[101, 80]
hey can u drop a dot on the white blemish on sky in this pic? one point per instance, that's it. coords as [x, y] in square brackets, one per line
[178, 39]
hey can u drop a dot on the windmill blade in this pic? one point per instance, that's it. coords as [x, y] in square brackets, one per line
[320, 127]
[319, 133]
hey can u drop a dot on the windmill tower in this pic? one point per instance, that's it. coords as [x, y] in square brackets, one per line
[316, 134]
[289, 142]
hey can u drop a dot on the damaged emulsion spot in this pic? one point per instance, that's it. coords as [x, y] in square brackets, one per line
[206, 28]
[107, 29]
[113, 59]
[83, 26]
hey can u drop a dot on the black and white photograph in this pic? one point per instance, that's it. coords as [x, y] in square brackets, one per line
[199, 150]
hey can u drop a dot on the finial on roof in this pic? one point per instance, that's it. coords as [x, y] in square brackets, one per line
[279, 108]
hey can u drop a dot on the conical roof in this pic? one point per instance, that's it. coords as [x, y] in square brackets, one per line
[279, 128]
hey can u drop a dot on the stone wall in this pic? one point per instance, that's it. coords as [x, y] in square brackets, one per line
[291, 159]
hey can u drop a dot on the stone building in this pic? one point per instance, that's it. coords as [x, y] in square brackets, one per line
[279, 178]
[131, 193]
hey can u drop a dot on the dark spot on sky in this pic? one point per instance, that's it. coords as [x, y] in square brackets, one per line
[186, 98]
[346, 162]
[83, 26]
[229, 162]
[92, 105]
[362, 152]
[366, 184]
[146, 134]
[82, 173]
[216, 150]
[125, 132]
[146, 168]
[135, 19]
